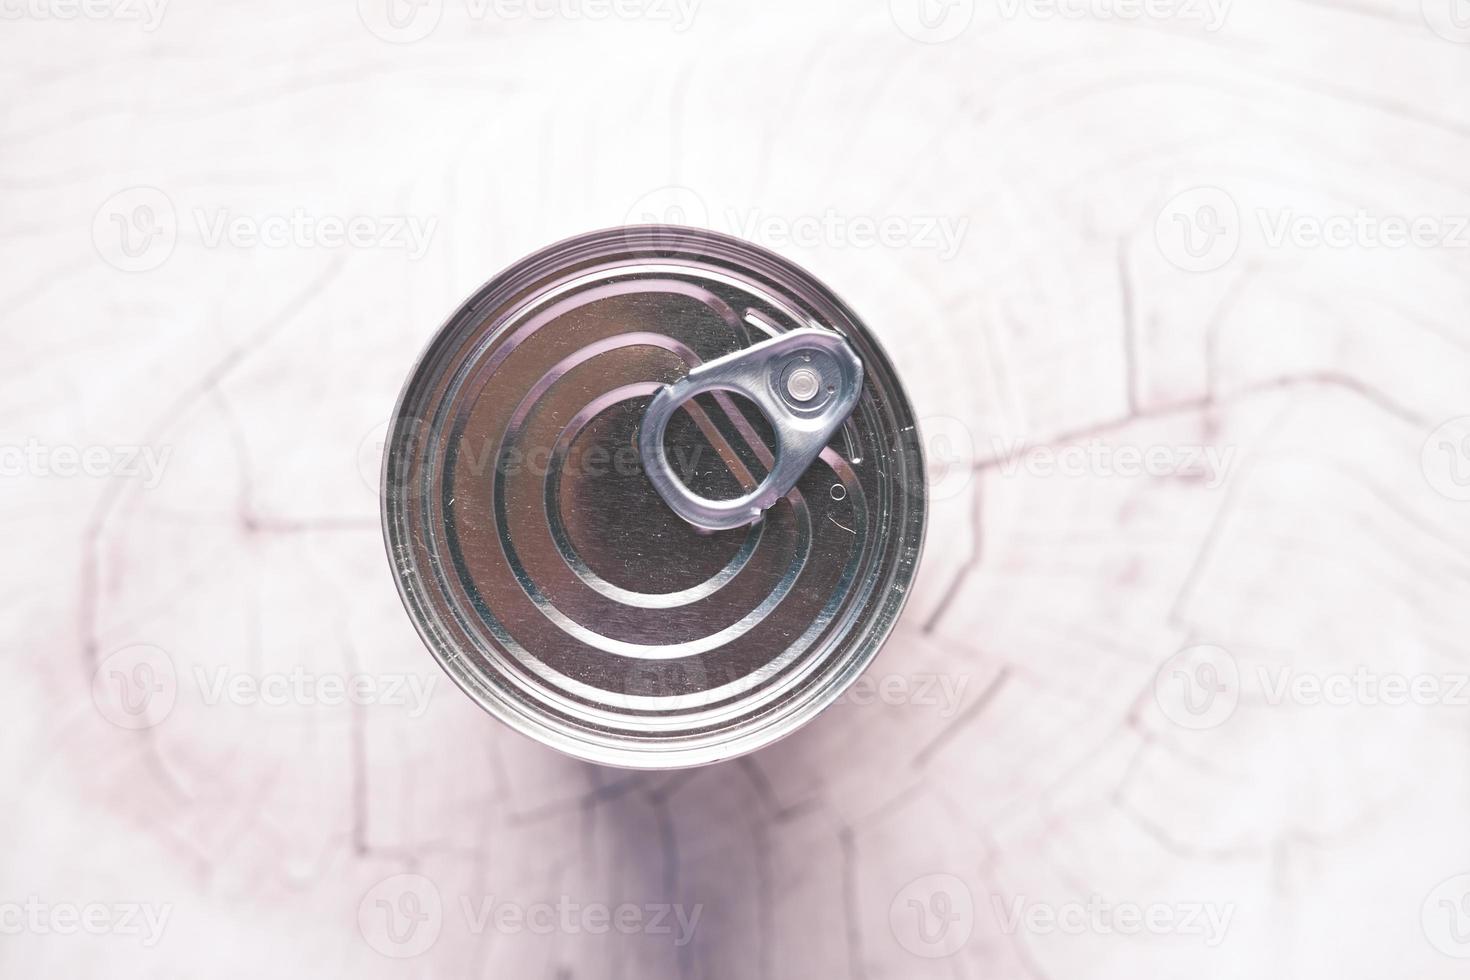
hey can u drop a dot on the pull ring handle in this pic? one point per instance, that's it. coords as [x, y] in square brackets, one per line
[806, 381]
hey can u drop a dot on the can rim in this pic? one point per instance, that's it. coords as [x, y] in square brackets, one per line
[654, 241]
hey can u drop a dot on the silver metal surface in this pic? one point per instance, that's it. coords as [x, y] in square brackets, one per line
[783, 377]
[543, 569]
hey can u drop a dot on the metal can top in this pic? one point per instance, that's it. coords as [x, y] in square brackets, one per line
[551, 581]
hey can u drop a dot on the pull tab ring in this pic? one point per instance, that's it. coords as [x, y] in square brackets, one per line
[806, 381]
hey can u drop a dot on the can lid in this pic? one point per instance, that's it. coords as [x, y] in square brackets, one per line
[543, 569]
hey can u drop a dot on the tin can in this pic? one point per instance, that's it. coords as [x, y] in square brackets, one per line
[617, 620]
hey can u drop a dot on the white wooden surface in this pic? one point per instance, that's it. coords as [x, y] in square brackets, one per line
[1040, 756]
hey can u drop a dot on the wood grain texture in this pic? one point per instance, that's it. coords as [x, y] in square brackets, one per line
[1179, 289]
